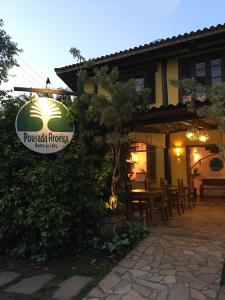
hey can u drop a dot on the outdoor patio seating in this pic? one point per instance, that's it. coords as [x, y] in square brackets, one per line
[178, 198]
[141, 203]
[192, 193]
[138, 203]
[145, 203]
[185, 192]
[162, 203]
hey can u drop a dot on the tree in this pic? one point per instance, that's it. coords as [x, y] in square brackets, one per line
[215, 97]
[192, 90]
[77, 54]
[116, 111]
[216, 108]
[8, 51]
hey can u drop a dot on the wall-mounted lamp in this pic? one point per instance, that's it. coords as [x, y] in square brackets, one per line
[178, 151]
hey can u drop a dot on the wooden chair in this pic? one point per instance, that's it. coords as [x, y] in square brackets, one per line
[192, 193]
[181, 195]
[140, 181]
[177, 198]
[162, 204]
[163, 181]
[186, 195]
[136, 203]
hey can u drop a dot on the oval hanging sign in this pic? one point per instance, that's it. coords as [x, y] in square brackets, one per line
[43, 125]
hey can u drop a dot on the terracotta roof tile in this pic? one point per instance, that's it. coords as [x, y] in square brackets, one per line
[151, 46]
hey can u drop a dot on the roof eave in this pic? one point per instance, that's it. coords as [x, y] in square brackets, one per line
[146, 48]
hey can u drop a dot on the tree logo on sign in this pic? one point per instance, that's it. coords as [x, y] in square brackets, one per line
[44, 125]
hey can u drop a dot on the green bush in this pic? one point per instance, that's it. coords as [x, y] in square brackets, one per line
[50, 201]
[135, 230]
[46, 201]
[131, 232]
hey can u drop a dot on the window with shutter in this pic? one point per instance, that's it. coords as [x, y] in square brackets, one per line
[151, 162]
[216, 70]
[140, 84]
[200, 72]
[207, 70]
[145, 78]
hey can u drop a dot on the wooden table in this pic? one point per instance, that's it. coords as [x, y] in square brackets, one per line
[172, 190]
[144, 195]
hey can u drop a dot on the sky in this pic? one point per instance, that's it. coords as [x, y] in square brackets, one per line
[47, 29]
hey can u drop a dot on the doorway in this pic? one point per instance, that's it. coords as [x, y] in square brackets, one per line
[206, 163]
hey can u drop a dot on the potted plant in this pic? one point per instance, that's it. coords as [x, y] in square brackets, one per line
[113, 219]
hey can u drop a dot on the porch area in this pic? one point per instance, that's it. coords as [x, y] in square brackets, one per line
[207, 220]
[164, 152]
[183, 260]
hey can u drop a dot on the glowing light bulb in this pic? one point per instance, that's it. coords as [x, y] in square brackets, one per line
[204, 136]
[178, 152]
[196, 155]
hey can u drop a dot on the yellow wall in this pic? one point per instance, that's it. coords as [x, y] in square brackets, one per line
[155, 139]
[179, 166]
[172, 73]
[88, 87]
[103, 92]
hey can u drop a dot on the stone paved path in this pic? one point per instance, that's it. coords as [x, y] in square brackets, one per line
[26, 288]
[29, 286]
[180, 262]
[71, 287]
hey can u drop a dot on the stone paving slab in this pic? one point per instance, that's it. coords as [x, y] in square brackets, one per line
[7, 277]
[183, 262]
[221, 295]
[71, 287]
[30, 285]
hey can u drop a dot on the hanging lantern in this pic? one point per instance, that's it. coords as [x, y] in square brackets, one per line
[204, 136]
[192, 134]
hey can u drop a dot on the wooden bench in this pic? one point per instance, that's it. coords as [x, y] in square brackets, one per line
[211, 184]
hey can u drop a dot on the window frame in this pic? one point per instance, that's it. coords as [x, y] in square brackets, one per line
[144, 84]
[147, 72]
[207, 58]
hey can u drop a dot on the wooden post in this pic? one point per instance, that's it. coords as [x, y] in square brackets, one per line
[167, 159]
[45, 91]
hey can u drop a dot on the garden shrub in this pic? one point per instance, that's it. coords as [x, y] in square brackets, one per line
[50, 201]
[131, 233]
[47, 200]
